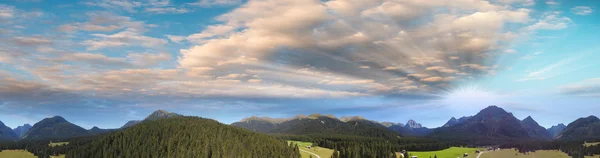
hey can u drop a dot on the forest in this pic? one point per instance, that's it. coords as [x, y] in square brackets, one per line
[184, 137]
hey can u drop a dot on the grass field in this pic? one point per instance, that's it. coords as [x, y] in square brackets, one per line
[591, 143]
[53, 144]
[16, 154]
[21, 154]
[452, 152]
[322, 152]
[515, 154]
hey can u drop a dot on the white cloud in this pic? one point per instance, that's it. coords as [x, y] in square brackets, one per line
[167, 10]
[586, 88]
[582, 10]
[176, 39]
[552, 2]
[209, 3]
[552, 21]
[6, 12]
[123, 38]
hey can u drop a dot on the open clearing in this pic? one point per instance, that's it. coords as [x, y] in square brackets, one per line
[322, 152]
[21, 154]
[53, 144]
[587, 144]
[16, 154]
[515, 154]
[452, 152]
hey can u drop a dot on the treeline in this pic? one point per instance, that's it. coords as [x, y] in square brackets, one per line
[185, 137]
[358, 147]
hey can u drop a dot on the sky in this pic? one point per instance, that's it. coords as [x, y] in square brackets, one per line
[105, 62]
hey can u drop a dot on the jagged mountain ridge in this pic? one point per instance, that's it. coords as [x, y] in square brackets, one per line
[556, 130]
[22, 130]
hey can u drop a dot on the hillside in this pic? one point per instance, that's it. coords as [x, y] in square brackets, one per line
[534, 130]
[55, 127]
[185, 137]
[22, 130]
[491, 122]
[6, 133]
[582, 128]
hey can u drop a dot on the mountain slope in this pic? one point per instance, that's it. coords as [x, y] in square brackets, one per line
[556, 130]
[185, 137]
[491, 122]
[55, 127]
[534, 130]
[22, 130]
[131, 123]
[453, 121]
[582, 128]
[6, 133]
[156, 115]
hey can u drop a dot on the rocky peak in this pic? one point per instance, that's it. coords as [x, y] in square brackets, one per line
[412, 124]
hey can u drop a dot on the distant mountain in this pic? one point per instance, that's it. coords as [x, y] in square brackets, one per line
[258, 124]
[534, 130]
[95, 130]
[582, 128]
[556, 129]
[156, 115]
[317, 124]
[160, 114]
[389, 124]
[185, 137]
[22, 130]
[412, 124]
[411, 129]
[453, 121]
[6, 133]
[491, 122]
[55, 127]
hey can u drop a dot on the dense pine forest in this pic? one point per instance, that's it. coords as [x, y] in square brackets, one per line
[185, 137]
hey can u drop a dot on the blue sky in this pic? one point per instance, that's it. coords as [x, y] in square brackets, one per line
[105, 62]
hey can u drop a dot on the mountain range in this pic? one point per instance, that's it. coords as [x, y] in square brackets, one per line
[316, 124]
[491, 122]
